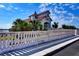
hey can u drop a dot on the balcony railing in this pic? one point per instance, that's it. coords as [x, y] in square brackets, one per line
[17, 40]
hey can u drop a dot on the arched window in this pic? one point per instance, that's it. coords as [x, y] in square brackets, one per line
[46, 26]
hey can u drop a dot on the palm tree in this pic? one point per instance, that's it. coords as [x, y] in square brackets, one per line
[36, 25]
[55, 25]
[28, 27]
[19, 25]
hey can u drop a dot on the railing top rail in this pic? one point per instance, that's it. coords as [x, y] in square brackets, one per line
[38, 31]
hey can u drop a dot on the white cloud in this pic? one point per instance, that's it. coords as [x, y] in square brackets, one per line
[21, 10]
[2, 6]
[54, 4]
[72, 7]
[77, 7]
[64, 17]
[9, 7]
[12, 8]
[54, 11]
[61, 18]
[43, 9]
[16, 8]
[67, 4]
[44, 6]
[70, 14]
[5, 26]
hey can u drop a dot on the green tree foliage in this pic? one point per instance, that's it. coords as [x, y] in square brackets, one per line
[55, 25]
[68, 26]
[20, 25]
[36, 25]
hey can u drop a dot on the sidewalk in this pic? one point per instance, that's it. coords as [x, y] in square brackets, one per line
[72, 50]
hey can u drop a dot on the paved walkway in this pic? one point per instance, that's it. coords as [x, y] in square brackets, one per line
[72, 50]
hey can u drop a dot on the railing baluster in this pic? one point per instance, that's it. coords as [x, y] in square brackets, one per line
[15, 40]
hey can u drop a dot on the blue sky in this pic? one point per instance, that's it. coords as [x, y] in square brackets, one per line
[64, 13]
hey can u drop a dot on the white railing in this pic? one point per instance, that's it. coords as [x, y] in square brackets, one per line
[16, 40]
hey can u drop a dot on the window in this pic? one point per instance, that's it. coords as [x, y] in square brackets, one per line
[32, 17]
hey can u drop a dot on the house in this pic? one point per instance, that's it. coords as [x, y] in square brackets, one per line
[43, 17]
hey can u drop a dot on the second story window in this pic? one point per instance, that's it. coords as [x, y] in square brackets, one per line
[32, 17]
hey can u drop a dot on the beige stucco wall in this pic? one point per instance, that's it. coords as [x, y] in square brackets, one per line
[44, 20]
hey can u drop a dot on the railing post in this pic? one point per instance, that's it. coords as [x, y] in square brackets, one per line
[75, 32]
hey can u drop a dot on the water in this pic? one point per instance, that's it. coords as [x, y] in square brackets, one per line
[4, 30]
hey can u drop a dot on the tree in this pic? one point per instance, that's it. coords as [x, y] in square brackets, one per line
[16, 25]
[20, 25]
[68, 26]
[36, 25]
[55, 25]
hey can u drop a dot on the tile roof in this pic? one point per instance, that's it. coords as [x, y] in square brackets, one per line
[39, 16]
